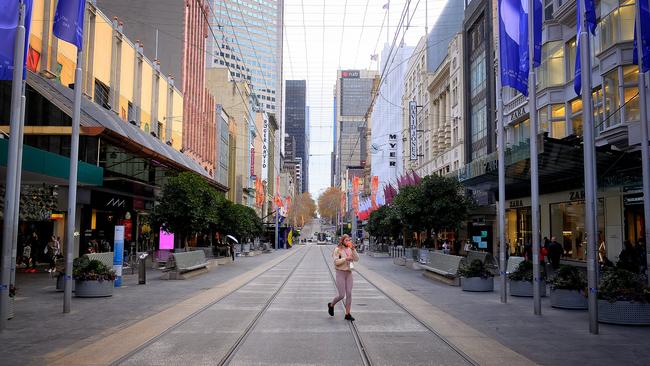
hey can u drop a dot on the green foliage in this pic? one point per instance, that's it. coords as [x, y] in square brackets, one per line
[618, 284]
[91, 270]
[475, 269]
[436, 203]
[189, 205]
[569, 278]
[241, 222]
[524, 272]
[384, 222]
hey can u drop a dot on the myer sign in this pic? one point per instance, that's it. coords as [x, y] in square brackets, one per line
[413, 128]
[265, 150]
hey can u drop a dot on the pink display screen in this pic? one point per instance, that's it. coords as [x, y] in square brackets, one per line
[166, 240]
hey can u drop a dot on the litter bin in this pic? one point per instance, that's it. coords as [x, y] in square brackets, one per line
[142, 269]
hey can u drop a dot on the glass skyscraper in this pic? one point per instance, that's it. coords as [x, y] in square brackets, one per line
[249, 39]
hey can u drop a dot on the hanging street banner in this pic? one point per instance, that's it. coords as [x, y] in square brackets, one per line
[265, 150]
[413, 130]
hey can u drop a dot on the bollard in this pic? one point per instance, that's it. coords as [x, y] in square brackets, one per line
[142, 269]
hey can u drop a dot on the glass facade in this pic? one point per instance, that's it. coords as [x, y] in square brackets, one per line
[356, 96]
[551, 70]
[568, 227]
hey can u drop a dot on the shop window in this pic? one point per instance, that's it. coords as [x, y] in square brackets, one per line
[518, 229]
[551, 71]
[568, 227]
[521, 132]
[631, 93]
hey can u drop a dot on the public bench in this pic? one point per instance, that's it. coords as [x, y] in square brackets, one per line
[486, 258]
[185, 265]
[513, 263]
[443, 267]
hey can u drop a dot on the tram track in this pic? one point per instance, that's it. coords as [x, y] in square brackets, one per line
[363, 350]
[232, 351]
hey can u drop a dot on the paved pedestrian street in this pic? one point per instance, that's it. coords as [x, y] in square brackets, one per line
[273, 312]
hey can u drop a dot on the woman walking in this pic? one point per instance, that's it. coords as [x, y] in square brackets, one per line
[344, 255]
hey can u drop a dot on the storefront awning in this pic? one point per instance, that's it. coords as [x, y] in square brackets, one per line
[46, 167]
[560, 168]
[97, 120]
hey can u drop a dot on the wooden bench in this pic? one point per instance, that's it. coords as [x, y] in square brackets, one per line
[443, 267]
[180, 265]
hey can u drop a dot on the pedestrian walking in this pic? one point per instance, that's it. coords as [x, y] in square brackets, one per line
[344, 255]
[555, 251]
[27, 256]
[642, 252]
[232, 251]
[52, 250]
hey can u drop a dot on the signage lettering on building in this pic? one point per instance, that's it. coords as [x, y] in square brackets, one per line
[392, 150]
[516, 203]
[350, 74]
[116, 203]
[265, 150]
[518, 113]
[413, 131]
[577, 196]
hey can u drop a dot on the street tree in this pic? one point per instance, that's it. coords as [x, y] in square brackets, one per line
[447, 206]
[384, 223]
[329, 203]
[188, 206]
[302, 209]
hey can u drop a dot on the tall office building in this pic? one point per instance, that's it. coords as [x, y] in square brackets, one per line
[296, 124]
[353, 95]
[249, 43]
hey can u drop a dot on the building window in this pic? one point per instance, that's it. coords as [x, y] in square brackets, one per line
[612, 99]
[631, 93]
[617, 23]
[571, 58]
[130, 113]
[576, 116]
[548, 9]
[477, 74]
[160, 131]
[101, 94]
[551, 71]
[568, 227]
[521, 132]
[552, 120]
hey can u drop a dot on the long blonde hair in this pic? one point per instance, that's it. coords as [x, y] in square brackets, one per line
[344, 237]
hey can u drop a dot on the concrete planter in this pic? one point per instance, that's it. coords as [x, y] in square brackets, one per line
[477, 284]
[568, 299]
[60, 284]
[623, 312]
[525, 288]
[93, 288]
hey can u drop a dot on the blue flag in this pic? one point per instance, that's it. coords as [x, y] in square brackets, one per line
[513, 42]
[69, 21]
[9, 10]
[645, 36]
[591, 26]
[510, 43]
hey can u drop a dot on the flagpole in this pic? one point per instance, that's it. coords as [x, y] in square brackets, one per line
[534, 168]
[645, 158]
[501, 151]
[589, 170]
[12, 166]
[72, 187]
[16, 203]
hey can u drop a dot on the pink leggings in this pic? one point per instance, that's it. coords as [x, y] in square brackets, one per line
[344, 286]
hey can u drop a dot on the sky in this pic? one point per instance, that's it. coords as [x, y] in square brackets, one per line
[323, 36]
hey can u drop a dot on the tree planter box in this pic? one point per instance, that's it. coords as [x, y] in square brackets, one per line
[623, 312]
[93, 288]
[568, 299]
[477, 284]
[525, 288]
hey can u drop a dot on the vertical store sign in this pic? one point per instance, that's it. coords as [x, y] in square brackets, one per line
[252, 160]
[413, 130]
[118, 254]
[265, 151]
[392, 150]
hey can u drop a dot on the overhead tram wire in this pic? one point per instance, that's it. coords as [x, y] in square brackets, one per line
[363, 24]
[304, 31]
[345, 10]
[241, 94]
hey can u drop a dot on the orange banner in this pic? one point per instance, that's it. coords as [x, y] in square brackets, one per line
[374, 187]
[343, 203]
